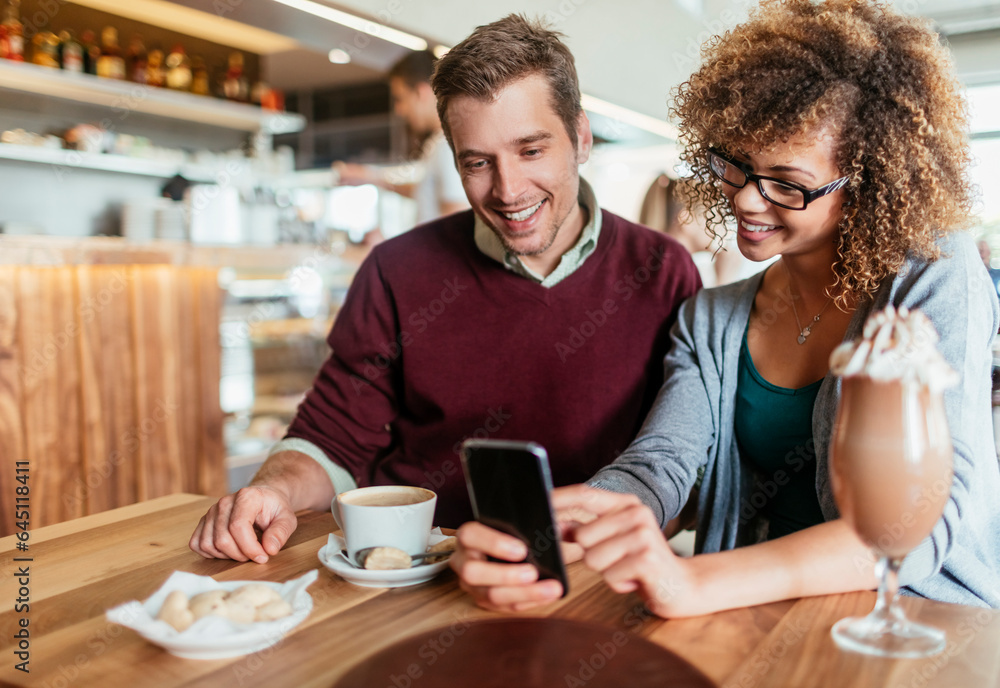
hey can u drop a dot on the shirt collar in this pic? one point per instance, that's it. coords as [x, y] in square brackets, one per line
[488, 243]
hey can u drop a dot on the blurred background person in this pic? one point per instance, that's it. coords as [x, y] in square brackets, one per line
[431, 179]
[985, 253]
[663, 209]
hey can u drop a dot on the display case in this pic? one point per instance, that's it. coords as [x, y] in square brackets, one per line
[275, 320]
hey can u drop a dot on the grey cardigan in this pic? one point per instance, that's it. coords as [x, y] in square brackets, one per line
[690, 426]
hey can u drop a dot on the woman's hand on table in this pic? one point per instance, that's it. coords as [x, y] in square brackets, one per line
[227, 530]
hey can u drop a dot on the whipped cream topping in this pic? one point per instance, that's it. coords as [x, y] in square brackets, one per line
[896, 345]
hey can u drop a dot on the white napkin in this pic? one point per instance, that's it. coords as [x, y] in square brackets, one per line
[211, 631]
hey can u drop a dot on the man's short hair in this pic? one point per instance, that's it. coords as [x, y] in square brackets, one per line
[497, 54]
[414, 69]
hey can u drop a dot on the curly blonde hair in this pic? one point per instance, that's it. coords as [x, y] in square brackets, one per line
[888, 89]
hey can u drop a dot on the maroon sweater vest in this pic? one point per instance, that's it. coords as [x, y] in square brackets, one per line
[436, 343]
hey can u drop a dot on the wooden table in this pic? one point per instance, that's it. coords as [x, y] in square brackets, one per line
[83, 567]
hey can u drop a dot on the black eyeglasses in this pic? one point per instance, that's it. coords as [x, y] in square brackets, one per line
[778, 191]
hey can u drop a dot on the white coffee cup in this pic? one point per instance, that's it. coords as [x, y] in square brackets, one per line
[385, 516]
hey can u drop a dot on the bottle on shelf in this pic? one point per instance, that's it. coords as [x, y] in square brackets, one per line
[273, 99]
[156, 75]
[257, 92]
[235, 86]
[91, 51]
[70, 52]
[266, 97]
[45, 49]
[110, 64]
[136, 60]
[14, 29]
[200, 81]
[178, 70]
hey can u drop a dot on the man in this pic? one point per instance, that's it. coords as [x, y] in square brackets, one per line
[535, 316]
[438, 189]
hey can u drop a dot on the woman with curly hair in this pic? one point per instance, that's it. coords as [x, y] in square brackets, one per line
[832, 135]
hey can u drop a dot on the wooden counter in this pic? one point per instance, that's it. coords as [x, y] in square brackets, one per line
[109, 385]
[110, 362]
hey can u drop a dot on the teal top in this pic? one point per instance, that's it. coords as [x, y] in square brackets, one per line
[773, 428]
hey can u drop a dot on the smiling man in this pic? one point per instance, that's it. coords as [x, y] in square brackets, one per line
[521, 181]
[534, 316]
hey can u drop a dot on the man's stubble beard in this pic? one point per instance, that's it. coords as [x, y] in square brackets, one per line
[547, 244]
[550, 239]
[553, 231]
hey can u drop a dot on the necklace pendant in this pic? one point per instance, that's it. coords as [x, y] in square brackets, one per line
[804, 332]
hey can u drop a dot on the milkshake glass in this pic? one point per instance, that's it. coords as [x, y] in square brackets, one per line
[891, 468]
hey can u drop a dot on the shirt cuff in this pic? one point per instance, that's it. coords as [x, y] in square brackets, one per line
[341, 479]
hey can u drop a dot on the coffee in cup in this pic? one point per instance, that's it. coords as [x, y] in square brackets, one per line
[385, 516]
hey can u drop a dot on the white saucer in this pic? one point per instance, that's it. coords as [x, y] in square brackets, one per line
[331, 558]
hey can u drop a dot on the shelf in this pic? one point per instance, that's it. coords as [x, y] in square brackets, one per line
[124, 97]
[122, 164]
[322, 178]
[281, 331]
[47, 250]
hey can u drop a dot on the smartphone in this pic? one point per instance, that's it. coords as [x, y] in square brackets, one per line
[509, 485]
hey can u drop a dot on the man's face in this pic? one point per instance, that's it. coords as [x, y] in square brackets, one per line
[415, 105]
[519, 167]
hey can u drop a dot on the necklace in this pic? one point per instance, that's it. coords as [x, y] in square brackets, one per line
[804, 332]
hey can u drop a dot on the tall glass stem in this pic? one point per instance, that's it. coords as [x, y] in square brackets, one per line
[886, 631]
[885, 610]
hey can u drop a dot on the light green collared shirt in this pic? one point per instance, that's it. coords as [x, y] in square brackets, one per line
[488, 243]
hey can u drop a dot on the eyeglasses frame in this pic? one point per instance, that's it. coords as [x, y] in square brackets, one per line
[808, 195]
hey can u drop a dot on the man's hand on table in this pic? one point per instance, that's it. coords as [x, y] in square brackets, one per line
[288, 481]
[227, 530]
[616, 536]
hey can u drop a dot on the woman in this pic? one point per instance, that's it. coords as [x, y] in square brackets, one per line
[832, 134]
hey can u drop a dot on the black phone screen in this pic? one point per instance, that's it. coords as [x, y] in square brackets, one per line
[509, 485]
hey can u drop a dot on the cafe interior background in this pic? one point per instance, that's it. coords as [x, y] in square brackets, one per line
[151, 346]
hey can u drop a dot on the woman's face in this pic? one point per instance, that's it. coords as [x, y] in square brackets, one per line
[765, 230]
